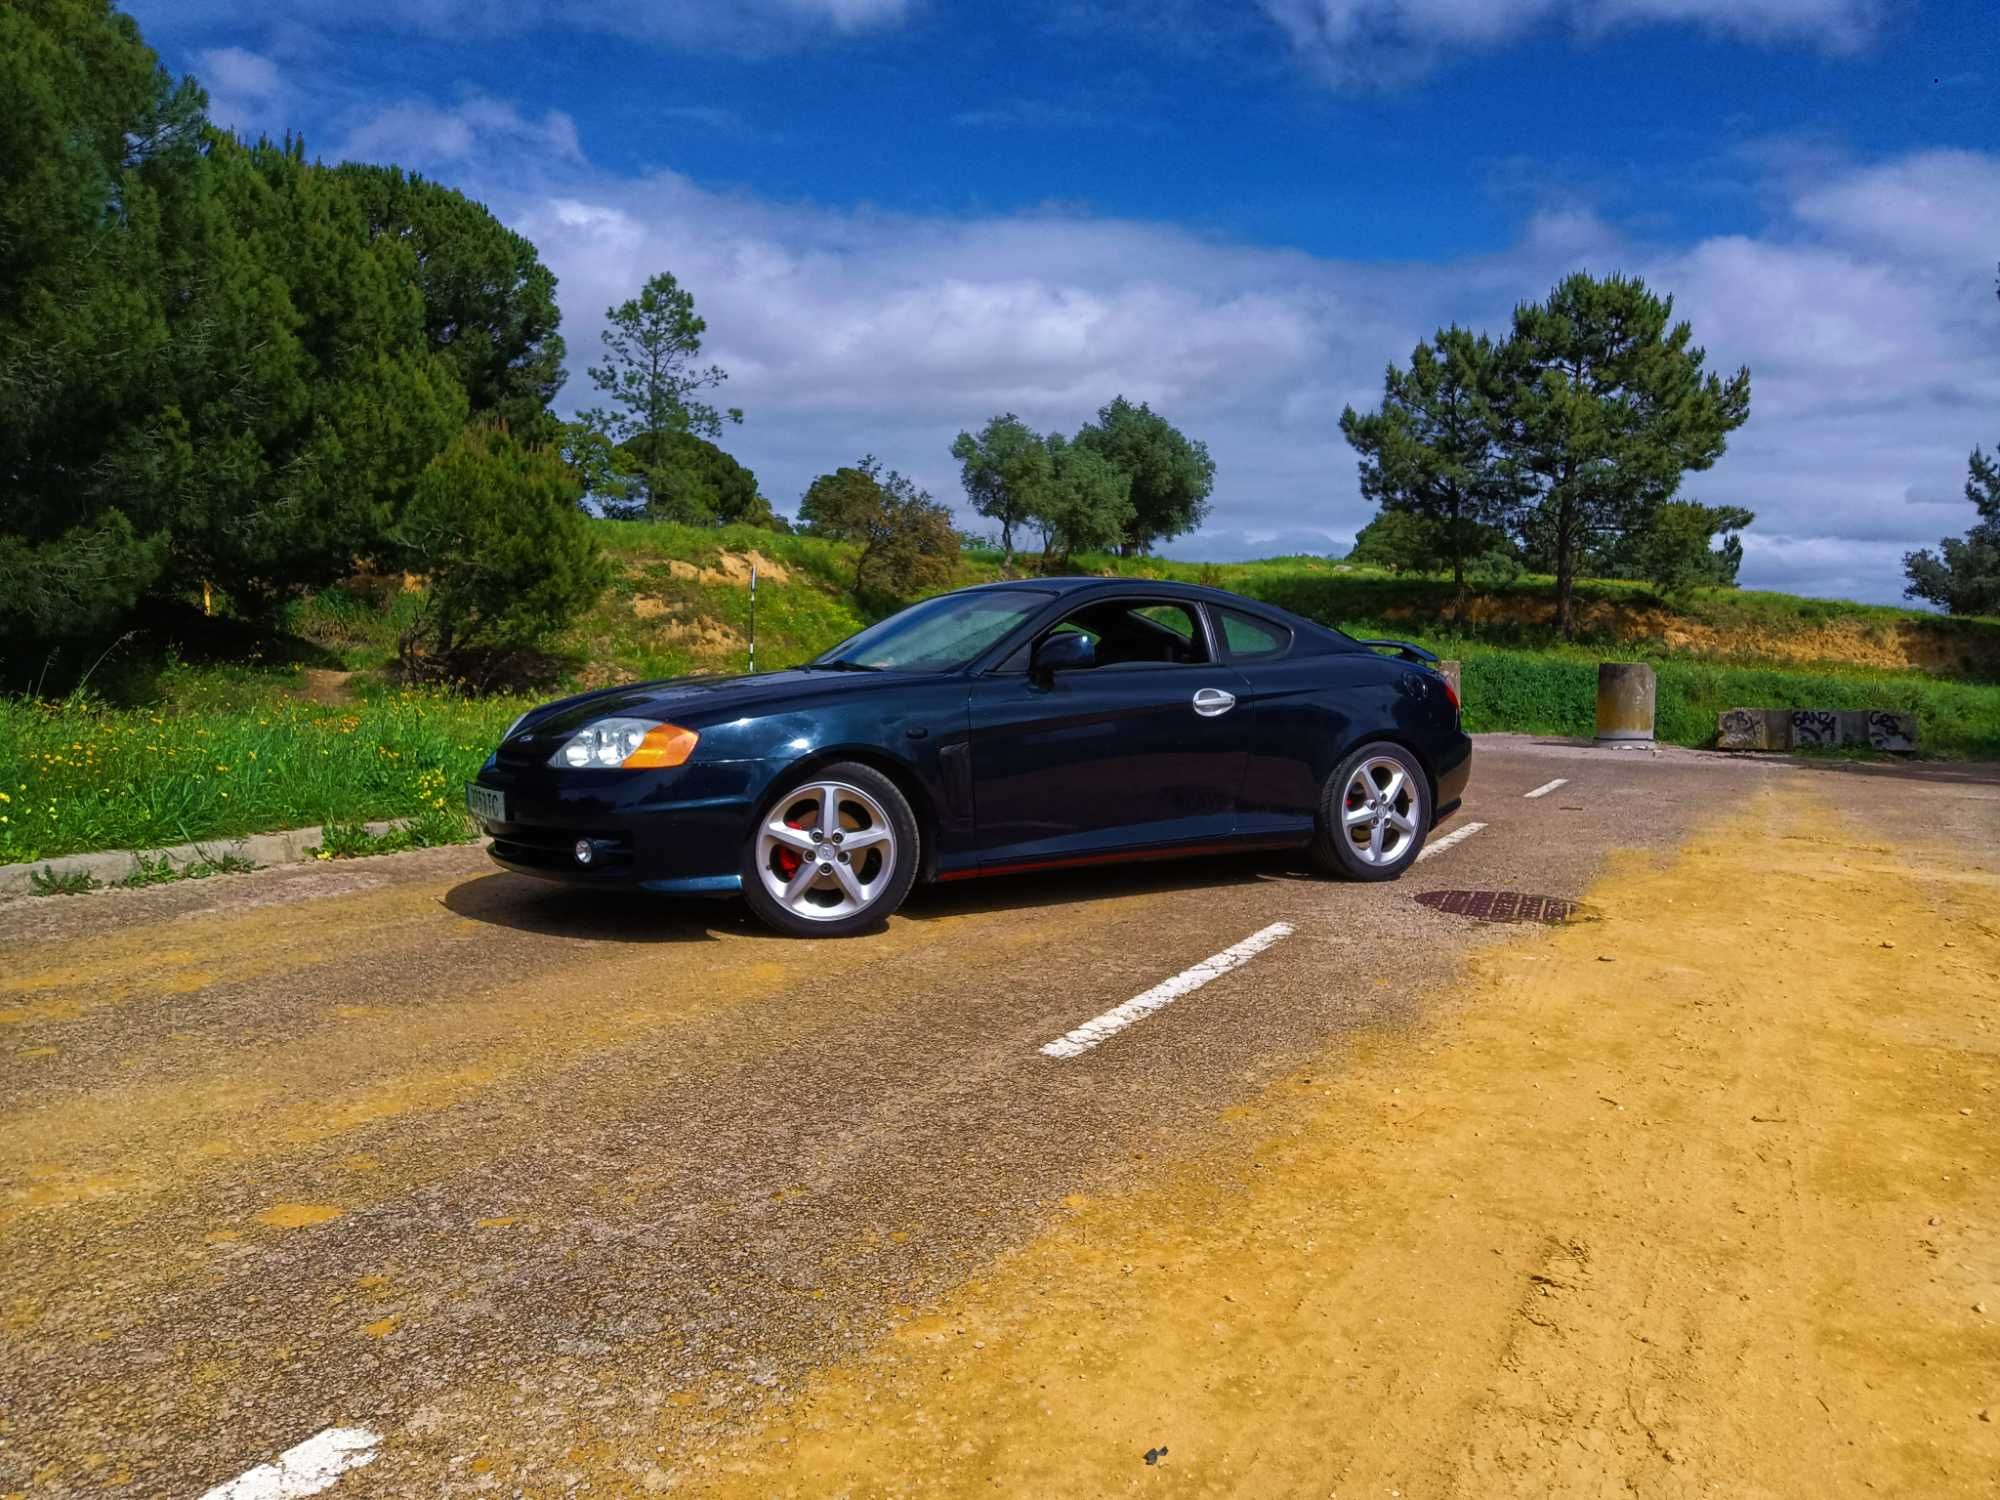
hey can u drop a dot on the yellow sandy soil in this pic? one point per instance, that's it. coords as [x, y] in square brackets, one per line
[1700, 1199]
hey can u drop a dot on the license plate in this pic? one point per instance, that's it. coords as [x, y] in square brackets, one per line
[486, 804]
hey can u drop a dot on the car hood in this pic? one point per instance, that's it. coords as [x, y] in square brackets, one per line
[696, 702]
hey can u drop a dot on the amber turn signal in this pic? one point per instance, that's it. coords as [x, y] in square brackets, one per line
[666, 745]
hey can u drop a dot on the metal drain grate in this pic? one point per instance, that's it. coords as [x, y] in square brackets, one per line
[1503, 906]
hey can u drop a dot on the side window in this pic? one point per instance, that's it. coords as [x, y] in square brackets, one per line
[1250, 637]
[1131, 633]
[1154, 634]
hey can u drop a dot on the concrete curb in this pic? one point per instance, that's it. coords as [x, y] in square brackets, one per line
[109, 866]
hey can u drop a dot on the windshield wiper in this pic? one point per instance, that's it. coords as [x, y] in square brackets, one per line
[838, 666]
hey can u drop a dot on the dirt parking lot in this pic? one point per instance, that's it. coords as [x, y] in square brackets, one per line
[442, 1182]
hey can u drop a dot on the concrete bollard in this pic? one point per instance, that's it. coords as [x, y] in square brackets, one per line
[1453, 673]
[1625, 696]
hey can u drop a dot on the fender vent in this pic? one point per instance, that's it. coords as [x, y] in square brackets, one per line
[1506, 906]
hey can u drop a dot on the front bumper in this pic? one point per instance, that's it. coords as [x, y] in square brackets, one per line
[679, 830]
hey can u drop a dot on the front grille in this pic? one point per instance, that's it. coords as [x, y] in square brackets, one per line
[555, 848]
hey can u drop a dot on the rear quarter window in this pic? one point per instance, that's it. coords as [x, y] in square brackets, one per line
[1250, 638]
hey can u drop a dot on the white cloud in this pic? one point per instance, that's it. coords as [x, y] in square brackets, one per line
[1874, 346]
[1379, 42]
[416, 133]
[1935, 205]
[244, 88]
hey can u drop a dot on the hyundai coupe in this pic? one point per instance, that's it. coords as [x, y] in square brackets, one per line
[995, 730]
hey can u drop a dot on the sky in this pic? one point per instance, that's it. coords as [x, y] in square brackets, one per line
[900, 217]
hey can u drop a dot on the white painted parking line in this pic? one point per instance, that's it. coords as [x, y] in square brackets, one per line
[1456, 836]
[1546, 787]
[1160, 996]
[312, 1466]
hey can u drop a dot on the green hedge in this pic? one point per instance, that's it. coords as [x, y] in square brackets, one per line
[1542, 693]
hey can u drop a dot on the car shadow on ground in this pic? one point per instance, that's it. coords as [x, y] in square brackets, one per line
[607, 916]
[525, 904]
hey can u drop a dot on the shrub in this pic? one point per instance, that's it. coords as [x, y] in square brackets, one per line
[510, 557]
[907, 544]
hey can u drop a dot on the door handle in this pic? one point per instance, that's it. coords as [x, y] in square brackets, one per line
[1212, 703]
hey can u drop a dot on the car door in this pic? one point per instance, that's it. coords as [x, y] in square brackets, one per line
[1298, 708]
[1143, 749]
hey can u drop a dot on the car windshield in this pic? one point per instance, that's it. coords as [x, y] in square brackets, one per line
[938, 635]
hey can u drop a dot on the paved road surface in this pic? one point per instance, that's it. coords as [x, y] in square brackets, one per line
[415, 1148]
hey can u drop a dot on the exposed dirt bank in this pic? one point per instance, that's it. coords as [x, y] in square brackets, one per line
[1850, 640]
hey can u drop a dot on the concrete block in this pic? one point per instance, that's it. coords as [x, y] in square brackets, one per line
[1815, 728]
[1893, 732]
[1754, 729]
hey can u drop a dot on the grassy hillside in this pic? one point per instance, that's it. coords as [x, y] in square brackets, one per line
[681, 604]
[202, 731]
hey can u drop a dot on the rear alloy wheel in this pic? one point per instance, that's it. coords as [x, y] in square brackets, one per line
[1373, 815]
[833, 854]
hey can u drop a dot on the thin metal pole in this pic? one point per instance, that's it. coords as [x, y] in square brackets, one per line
[753, 619]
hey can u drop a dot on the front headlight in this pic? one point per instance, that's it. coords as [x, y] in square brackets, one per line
[627, 744]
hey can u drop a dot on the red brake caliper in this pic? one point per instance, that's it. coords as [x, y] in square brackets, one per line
[788, 859]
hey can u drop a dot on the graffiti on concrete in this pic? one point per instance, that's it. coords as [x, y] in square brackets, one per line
[1741, 729]
[1896, 732]
[1814, 728]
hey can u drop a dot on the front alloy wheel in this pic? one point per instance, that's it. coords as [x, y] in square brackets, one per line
[833, 854]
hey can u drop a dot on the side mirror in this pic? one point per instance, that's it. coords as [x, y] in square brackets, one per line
[1067, 651]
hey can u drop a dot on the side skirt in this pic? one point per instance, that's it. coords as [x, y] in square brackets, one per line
[1127, 856]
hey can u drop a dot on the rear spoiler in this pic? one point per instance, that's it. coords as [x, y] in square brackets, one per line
[1403, 649]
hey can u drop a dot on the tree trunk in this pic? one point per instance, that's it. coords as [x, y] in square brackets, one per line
[1457, 533]
[1565, 569]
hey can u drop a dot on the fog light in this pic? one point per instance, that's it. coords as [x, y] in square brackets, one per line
[583, 851]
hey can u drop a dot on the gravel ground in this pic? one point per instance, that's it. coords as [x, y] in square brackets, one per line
[487, 1167]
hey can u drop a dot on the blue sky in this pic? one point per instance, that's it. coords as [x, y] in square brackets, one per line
[900, 216]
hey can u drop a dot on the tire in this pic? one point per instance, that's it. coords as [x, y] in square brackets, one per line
[1373, 836]
[850, 892]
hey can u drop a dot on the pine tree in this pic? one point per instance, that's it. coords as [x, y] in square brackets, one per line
[1963, 576]
[1608, 408]
[1434, 450]
[651, 343]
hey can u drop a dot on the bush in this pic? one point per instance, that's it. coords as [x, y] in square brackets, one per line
[907, 544]
[510, 557]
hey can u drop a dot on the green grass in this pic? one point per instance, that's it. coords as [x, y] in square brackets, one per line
[81, 775]
[212, 737]
[49, 881]
[432, 828]
[1555, 693]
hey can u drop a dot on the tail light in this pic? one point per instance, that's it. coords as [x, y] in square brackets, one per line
[1451, 692]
